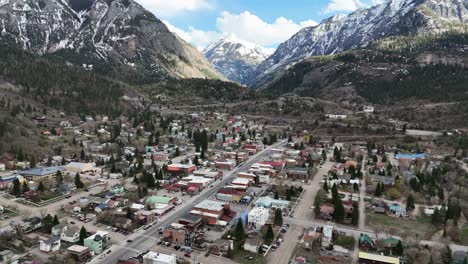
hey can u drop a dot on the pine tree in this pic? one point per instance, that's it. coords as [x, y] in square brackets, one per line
[41, 187]
[446, 255]
[278, 217]
[325, 187]
[58, 178]
[78, 183]
[399, 248]
[239, 232]
[317, 204]
[335, 194]
[269, 236]
[47, 223]
[378, 190]
[338, 212]
[410, 203]
[129, 213]
[16, 188]
[355, 215]
[55, 221]
[83, 234]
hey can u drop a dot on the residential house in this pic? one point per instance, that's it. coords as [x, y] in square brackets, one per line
[50, 245]
[253, 244]
[397, 210]
[220, 246]
[71, 234]
[326, 212]
[123, 222]
[57, 230]
[298, 173]
[366, 242]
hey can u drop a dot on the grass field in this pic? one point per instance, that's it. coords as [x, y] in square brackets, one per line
[403, 227]
[241, 256]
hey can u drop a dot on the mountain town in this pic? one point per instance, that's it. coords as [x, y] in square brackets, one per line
[122, 142]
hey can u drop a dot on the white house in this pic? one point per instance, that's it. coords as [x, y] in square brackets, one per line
[264, 179]
[50, 245]
[71, 234]
[59, 229]
[368, 109]
[258, 216]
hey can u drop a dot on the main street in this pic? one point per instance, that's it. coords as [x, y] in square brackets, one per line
[143, 240]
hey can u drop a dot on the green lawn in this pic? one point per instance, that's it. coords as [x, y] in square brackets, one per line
[345, 241]
[421, 226]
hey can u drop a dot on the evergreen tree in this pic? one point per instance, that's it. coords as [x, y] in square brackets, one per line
[355, 187]
[47, 223]
[41, 187]
[410, 203]
[317, 204]
[278, 217]
[399, 248]
[58, 178]
[338, 212]
[378, 190]
[83, 234]
[55, 221]
[355, 215]
[269, 236]
[239, 231]
[129, 213]
[195, 160]
[446, 255]
[325, 187]
[78, 183]
[335, 194]
[16, 188]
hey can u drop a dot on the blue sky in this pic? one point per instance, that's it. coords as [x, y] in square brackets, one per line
[267, 23]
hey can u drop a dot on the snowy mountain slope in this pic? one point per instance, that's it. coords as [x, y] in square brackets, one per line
[235, 58]
[358, 29]
[110, 31]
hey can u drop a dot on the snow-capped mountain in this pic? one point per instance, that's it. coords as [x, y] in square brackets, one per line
[360, 28]
[235, 58]
[116, 32]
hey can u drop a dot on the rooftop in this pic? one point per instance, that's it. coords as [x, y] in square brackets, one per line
[42, 171]
[159, 199]
[160, 258]
[210, 205]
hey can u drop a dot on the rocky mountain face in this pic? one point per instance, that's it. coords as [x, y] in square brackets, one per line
[119, 32]
[362, 27]
[235, 58]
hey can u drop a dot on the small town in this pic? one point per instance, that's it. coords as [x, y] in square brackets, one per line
[213, 187]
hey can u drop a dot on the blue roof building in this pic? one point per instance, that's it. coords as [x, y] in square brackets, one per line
[41, 173]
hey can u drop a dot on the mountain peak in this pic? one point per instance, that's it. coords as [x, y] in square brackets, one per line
[362, 27]
[118, 32]
[235, 58]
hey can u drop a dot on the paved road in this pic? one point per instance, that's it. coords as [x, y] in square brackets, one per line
[142, 242]
[362, 194]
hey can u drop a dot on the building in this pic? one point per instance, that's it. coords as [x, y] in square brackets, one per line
[258, 217]
[97, 242]
[215, 212]
[160, 204]
[59, 229]
[160, 156]
[241, 182]
[50, 245]
[269, 202]
[176, 234]
[158, 258]
[77, 167]
[225, 165]
[298, 173]
[71, 234]
[41, 173]
[191, 222]
[366, 242]
[368, 258]
[181, 169]
[79, 253]
[252, 244]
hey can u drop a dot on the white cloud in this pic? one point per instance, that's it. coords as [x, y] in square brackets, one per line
[246, 26]
[344, 6]
[199, 38]
[170, 8]
[251, 28]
